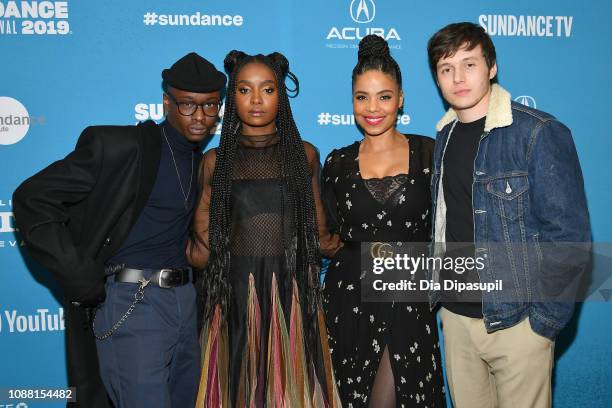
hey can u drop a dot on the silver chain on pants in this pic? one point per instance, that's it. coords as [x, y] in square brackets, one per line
[138, 296]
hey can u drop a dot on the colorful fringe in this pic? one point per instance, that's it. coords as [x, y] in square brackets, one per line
[214, 383]
[247, 389]
[290, 379]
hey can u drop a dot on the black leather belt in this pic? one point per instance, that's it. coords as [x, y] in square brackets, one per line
[164, 278]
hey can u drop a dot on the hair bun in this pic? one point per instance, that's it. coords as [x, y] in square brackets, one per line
[281, 62]
[373, 46]
[232, 59]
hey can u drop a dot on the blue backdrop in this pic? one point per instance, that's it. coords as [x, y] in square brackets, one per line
[69, 64]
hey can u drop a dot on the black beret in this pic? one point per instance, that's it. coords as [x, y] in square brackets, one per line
[193, 73]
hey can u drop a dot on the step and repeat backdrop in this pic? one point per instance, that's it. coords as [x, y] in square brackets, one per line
[65, 65]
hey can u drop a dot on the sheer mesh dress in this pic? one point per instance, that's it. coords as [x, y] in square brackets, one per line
[262, 362]
[389, 209]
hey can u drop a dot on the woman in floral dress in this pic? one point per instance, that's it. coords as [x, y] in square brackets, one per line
[385, 354]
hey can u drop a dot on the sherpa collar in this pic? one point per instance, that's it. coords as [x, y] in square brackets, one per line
[498, 115]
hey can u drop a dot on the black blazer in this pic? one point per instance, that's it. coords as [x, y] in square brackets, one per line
[74, 215]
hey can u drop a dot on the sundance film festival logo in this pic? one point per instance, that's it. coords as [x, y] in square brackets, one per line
[34, 18]
[526, 100]
[15, 120]
[503, 25]
[361, 12]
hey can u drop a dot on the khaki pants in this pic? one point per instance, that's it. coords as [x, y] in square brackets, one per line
[509, 368]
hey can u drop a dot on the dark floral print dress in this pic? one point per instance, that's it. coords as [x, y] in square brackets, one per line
[390, 209]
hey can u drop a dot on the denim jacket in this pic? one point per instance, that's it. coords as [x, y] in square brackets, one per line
[528, 203]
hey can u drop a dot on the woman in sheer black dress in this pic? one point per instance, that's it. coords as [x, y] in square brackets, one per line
[264, 341]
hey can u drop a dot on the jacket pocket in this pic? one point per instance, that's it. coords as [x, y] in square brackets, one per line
[536, 244]
[508, 195]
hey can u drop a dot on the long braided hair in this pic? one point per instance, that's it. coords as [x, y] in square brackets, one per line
[302, 252]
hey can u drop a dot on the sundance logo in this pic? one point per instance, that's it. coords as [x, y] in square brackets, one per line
[14, 120]
[503, 25]
[34, 18]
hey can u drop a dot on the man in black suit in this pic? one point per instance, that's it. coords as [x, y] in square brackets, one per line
[111, 221]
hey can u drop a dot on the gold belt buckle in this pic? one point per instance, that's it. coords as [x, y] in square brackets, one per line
[381, 250]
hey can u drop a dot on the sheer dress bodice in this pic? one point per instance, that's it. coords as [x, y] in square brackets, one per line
[263, 303]
[261, 213]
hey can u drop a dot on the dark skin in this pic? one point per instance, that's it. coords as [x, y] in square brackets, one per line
[196, 127]
[257, 107]
[257, 103]
[257, 99]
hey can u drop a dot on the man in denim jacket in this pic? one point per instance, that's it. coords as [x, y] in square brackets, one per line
[506, 183]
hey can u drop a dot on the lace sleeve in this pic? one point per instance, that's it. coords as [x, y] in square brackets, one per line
[198, 248]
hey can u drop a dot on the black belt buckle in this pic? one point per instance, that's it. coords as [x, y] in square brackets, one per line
[163, 278]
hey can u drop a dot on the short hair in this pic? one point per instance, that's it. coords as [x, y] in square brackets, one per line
[447, 41]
